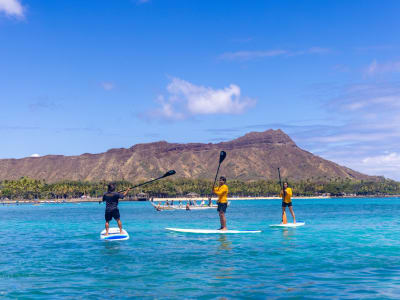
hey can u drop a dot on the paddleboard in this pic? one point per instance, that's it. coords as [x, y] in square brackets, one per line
[297, 224]
[211, 230]
[114, 235]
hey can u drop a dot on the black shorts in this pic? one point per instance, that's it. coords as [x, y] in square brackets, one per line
[222, 207]
[284, 204]
[112, 214]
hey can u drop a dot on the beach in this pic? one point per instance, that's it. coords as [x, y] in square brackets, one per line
[182, 199]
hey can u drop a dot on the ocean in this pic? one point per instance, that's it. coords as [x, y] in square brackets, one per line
[348, 249]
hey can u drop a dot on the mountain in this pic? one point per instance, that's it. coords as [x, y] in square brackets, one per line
[256, 155]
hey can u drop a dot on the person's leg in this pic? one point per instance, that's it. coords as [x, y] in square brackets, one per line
[118, 219]
[119, 225]
[284, 219]
[222, 219]
[107, 227]
[292, 212]
[107, 217]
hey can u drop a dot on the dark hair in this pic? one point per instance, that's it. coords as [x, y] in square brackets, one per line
[286, 183]
[223, 179]
[111, 187]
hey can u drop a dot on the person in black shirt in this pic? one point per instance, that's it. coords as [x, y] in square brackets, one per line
[111, 198]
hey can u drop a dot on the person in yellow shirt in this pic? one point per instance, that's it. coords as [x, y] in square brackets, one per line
[286, 195]
[222, 192]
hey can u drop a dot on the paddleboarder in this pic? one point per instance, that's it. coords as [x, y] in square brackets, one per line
[222, 192]
[286, 195]
[111, 198]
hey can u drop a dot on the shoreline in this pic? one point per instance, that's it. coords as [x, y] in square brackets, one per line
[205, 199]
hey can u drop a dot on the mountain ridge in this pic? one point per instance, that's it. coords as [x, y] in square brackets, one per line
[254, 156]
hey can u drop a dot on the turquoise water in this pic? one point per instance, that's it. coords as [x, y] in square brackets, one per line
[349, 248]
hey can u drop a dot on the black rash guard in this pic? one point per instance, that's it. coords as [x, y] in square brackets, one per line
[112, 200]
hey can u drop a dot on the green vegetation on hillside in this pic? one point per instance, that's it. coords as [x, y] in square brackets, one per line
[27, 188]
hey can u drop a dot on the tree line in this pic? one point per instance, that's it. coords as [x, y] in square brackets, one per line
[28, 188]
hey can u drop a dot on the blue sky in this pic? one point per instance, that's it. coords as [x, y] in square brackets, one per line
[87, 76]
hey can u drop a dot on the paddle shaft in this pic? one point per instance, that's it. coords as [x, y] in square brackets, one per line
[147, 182]
[216, 175]
[222, 156]
[280, 183]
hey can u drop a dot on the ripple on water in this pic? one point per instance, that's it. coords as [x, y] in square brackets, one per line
[342, 252]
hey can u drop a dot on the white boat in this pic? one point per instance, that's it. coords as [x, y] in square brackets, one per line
[195, 207]
[160, 207]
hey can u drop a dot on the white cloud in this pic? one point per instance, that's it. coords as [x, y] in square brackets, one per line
[353, 137]
[12, 8]
[375, 68]
[318, 50]
[387, 164]
[367, 130]
[367, 99]
[108, 86]
[393, 101]
[186, 99]
[35, 155]
[249, 55]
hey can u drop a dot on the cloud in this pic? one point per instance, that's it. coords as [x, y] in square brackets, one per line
[375, 48]
[185, 99]
[375, 68]
[367, 99]
[250, 55]
[12, 8]
[390, 161]
[35, 155]
[369, 131]
[43, 105]
[81, 129]
[360, 128]
[19, 128]
[107, 86]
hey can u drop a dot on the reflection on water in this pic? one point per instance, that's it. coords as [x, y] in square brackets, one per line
[225, 273]
[225, 244]
[288, 233]
[111, 247]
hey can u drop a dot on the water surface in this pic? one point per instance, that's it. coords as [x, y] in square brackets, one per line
[349, 248]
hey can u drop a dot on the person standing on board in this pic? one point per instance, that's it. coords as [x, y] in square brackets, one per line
[222, 192]
[111, 198]
[286, 195]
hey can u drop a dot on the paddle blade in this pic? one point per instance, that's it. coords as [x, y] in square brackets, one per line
[222, 156]
[169, 173]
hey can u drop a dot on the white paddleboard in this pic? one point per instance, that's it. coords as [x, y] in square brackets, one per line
[114, 235]
[297, 224]
[211, 230]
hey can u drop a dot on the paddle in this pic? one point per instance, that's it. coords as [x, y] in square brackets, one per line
[169, 173]
[283, 197]
[280, 183]
[222, 156]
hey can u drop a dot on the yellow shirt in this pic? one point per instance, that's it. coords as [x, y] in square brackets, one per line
[222, 193]
[288, 195]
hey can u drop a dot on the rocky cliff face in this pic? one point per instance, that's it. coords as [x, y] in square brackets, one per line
[256, 155]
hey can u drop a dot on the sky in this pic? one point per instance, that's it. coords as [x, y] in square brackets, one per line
[87, 76]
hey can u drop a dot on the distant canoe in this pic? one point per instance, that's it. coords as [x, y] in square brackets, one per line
[183, 207]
